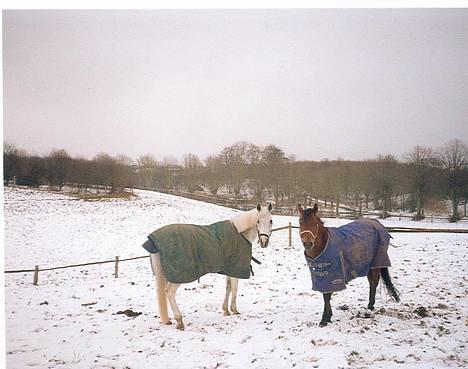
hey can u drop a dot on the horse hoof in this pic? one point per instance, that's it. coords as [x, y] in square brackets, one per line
[226, 313]
[323, 323]
[235, 312]
[166, 323]
[180, 324]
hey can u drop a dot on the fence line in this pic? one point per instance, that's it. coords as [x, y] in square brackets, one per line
[425, 230]
[289, 227]
[74, 265]
[36, 269]
[327, 211]
[239, 204]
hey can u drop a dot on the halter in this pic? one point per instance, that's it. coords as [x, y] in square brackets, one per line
[314, 236]
[311, 233]
[262, 234]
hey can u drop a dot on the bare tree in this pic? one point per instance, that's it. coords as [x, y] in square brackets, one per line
[256, 169]
[192, 166]
[33, 171]
[11, 162]
[146, 169]
[454, 159]
[421, 161]
[81, 173]
[235, 159]
[214, 179]
[124, 171]
[58, 163]
[289, 182]
[170, 161]
[192, 161]
[339, 182]
[106, 171]
[360, 184]
[274, 160]
[385, 178]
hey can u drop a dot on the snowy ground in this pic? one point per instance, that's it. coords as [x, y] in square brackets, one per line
[70, 319]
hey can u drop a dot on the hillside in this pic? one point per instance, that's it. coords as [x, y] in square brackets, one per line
[71, 319]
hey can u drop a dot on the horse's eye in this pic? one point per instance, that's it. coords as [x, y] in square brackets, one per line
[271, 221]
[258, 222]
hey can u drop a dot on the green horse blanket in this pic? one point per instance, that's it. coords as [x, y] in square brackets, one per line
[189, 251]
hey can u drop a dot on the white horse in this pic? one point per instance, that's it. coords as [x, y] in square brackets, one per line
[251, 224]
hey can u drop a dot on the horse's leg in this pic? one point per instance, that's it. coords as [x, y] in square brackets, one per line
[373, 276]
[226, 297]
[327, 311]
[161, 284]
[171, 293]
[234, 285]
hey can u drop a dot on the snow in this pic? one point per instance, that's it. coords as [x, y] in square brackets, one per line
[70, 319]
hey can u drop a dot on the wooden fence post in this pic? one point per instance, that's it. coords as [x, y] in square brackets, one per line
[116, 268]
[290, 235]
[36, 275]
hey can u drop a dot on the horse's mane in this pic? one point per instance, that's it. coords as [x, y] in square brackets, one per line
[245, 220]
[308, 213]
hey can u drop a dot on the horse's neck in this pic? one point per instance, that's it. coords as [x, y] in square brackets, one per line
[245, 224]
[320, 243]
[250, 234]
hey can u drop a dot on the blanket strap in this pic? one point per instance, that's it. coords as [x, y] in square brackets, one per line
[256, 260]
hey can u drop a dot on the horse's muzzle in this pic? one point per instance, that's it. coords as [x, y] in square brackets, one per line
[308, 245]
[263, 240]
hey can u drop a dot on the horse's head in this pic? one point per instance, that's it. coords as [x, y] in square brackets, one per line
[309, 226]
[264, 224]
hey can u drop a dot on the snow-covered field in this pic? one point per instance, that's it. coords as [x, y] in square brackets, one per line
[71, 320]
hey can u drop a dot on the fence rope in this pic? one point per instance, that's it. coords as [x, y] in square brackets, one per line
[289, 227]
[74, 265]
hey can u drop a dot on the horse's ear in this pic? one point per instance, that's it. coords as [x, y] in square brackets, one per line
[259, 207]
[299, 209]
[270, 207]
[315, 208]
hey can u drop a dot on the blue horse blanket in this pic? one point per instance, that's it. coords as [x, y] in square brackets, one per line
[350, 252]
[189, 251]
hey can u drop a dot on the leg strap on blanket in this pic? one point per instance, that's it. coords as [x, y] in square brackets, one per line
[256, 261]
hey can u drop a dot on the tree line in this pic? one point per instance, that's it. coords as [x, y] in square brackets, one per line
[243, 170]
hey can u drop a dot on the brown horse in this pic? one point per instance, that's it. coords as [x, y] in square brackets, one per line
[337, 255]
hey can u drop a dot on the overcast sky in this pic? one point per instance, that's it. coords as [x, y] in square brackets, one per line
[317, 83]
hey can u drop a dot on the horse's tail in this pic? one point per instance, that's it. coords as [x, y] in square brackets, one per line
[161, 284]
[385, 274]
